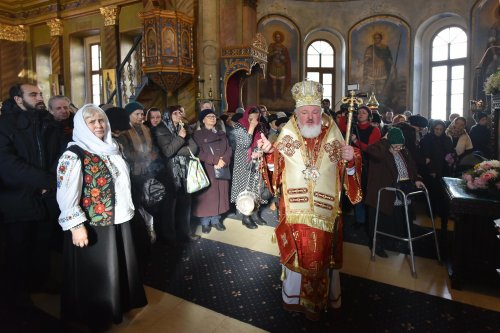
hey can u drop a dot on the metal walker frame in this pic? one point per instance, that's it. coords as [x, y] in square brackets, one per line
[409, 239]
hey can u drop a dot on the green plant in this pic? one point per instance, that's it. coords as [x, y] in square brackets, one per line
[492, 84]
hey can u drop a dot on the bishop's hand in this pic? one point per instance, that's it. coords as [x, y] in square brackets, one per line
[347, 152]
[264, 144]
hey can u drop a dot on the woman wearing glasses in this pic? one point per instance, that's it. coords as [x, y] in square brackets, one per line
[215, 153]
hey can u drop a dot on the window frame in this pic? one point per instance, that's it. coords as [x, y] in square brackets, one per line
[449, 63]
[88, 43]
[323, 70]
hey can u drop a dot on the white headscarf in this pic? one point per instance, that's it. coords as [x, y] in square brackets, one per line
[85, 139]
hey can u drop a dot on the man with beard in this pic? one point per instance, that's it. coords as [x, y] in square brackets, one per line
[309, 157]
[29, 150]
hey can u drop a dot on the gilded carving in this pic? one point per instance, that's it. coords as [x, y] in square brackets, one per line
[56, 27]
[13, 33]
[110, 15]
[259, 42]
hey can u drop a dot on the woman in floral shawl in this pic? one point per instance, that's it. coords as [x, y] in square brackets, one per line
[101, 278]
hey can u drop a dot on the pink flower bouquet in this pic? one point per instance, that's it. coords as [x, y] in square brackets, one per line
[484, 176]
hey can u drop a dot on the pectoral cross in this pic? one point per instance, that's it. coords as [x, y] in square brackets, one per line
[311, 173]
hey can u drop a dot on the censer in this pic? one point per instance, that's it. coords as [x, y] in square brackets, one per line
[247, 202]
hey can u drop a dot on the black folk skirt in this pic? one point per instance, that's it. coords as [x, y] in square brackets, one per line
[102, 280]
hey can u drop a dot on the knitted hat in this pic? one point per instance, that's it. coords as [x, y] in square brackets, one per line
[132, 106]
[118, 119]
[395, 136]
[418, 121]
[205, 113]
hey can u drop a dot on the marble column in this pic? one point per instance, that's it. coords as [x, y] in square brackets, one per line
[13, 56]
[110, 45]
[56, 52]
[209, 48]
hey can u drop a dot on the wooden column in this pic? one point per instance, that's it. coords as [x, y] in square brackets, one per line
[110, 45]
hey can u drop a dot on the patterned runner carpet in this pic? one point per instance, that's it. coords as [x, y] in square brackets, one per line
[245, 285]
[358, 234]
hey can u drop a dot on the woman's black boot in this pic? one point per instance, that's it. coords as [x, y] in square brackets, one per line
[257, 219]
[247, 222]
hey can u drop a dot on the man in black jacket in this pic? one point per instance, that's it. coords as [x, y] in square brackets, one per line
[480, 135]
[29, 150]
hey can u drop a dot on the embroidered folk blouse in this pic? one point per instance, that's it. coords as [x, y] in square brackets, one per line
[69, 190]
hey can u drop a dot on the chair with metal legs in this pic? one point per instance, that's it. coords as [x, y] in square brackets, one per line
[409, 239]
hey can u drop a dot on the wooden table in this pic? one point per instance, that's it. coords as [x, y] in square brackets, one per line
[475, 247]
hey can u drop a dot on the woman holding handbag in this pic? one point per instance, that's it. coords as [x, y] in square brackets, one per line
[215, 154]
[175, 142]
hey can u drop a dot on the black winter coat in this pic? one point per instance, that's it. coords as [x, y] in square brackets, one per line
[481, 137]
[30, 146]
[436, 148]
[175, 149]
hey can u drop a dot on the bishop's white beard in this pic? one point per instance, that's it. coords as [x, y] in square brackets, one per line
[310, 131]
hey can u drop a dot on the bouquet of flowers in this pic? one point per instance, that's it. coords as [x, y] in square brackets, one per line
[492, 84]
[484, 176]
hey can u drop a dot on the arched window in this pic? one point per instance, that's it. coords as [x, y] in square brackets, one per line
[320, 67]
[448, 55]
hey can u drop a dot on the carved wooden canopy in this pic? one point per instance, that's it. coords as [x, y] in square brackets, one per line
[244, 57]
[167, 47]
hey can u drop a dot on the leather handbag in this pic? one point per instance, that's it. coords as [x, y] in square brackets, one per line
[196, 177]
[223, 173]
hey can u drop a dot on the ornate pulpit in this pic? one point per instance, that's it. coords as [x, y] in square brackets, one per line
[167, 48]
[238, 62]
